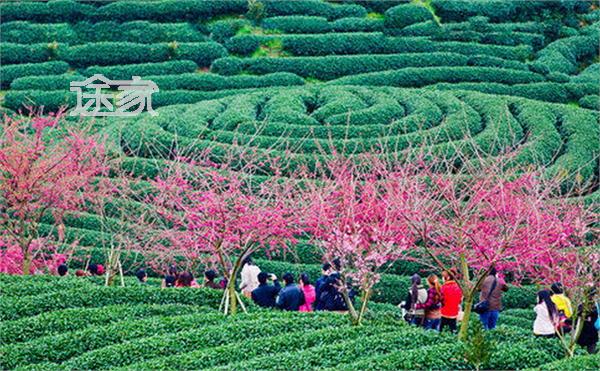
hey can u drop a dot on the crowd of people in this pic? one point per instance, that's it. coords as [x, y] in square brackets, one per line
[437, 307]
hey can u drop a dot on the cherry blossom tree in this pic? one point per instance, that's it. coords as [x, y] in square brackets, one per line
[217, 216]
[487, 216]
[44, 170]
[355, 213]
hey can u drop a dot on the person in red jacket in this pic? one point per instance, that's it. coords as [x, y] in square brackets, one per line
[451, 300]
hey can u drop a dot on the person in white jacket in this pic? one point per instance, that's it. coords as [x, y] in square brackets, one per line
[249, 277]
[546, 315]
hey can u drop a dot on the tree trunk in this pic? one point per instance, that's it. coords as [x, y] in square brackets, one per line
[27, 258]
[232, 297]
[464, 326]
[354, 318]
[363, 307]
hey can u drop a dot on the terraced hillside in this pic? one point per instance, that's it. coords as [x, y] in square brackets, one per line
[543, 50]
[307, 77]
[55, 326]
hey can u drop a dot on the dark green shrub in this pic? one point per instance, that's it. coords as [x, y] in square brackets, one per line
[313, 8]
[125, 72]
[216, 82]
[23, 32]
[12, 72]
[563, 55]
[417, 77]
[404, 15]
[201, 53]
[590, 102]
[580, 362]
[141, 32]
[42, 12]
[297, 24]
[110, 53]
[224, 29]
[52, 82]
[20, 53]
[227, 66]
[354, 24]
[15, 308]
[168, 10]
[75, 319]
[332, 67]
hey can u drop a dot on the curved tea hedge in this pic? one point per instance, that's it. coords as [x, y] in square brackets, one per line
[174, 336]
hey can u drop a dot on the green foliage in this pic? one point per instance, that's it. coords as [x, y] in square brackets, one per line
[478, 348]
[332, 67]
[216, 82]
[404, 15]
[256, 11]
[124, 72]
[563, 55]
[19, 307]
[313, 8]
[12, 72]
[591, 102]
[52, 82]
[417, 77]
[580, 362]
[20, 53]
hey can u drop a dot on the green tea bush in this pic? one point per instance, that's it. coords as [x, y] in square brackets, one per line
[42, 12]
[168, 10]
[404, 15]
[332, 67]
[245, 349]
[141, 32]
[544, 91]
[21, 53]
[76, 319]
[353, 24]
[125, 72]
[313, 8]
[563, 55]
[591, 102]
[207, 337]
[297, 24]
[224, 29]
[15, 308]
[25, 32]
[201, 53]
[52, 82]
[215, 82]
[580, 127]
[417, 77]
[109, 53]
[12, 72]
[579, 362]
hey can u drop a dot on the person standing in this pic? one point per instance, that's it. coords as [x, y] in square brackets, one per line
[417, 296]
[290, 297]
[546, 316]
[209, 280]
[170, 278]
[588, 338]
[249, 276]
[309, 293]
[186, 279]
[62, 270]
[142, 276]
[320, 284]
[451, 299]
[265, 295]
[491, 290]
[563, 306]
[433, 304]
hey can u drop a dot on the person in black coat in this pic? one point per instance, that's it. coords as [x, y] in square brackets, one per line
[319, 284]
[264, 295]
[589, 335]
[331, 296]
[291, 296]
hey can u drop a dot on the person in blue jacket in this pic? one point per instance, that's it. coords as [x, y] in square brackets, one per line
[319, 284]
[265, 295]
[291, 296]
